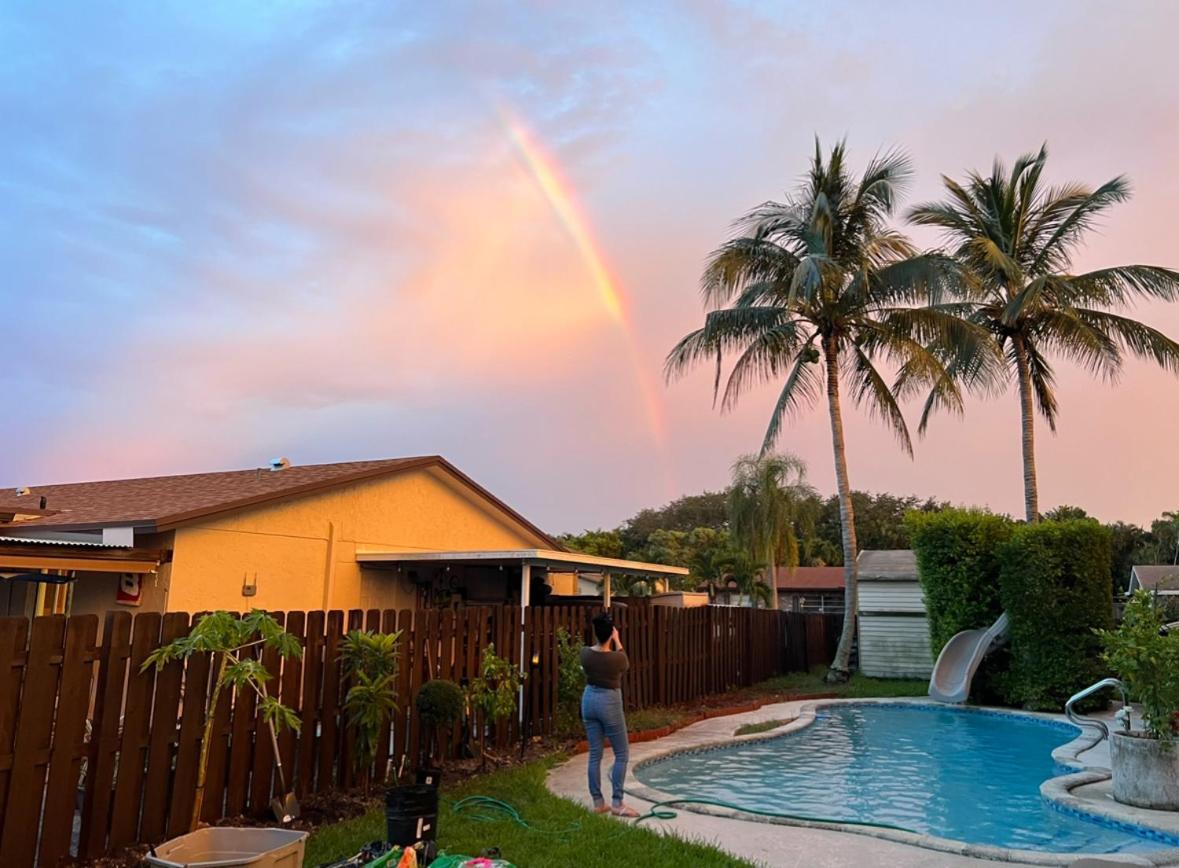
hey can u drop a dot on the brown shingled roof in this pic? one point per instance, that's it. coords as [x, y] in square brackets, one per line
[161, 502]
[810, 578]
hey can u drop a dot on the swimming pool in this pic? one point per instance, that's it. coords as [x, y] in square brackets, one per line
[952, 773]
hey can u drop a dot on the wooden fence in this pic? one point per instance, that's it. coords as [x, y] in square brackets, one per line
[95, 755]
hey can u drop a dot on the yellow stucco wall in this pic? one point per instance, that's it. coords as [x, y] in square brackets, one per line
[284, 548]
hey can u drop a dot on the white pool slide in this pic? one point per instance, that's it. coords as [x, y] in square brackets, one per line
[960, 658]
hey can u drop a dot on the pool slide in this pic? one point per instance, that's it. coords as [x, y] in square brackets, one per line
[959, 660]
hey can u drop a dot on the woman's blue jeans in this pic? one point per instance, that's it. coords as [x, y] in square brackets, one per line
[601, 712]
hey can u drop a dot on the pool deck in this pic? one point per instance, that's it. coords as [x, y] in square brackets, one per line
[825, 846]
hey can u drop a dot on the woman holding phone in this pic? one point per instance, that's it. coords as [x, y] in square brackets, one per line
[601, 712]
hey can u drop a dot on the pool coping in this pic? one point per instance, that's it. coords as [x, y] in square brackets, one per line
[1056, 790]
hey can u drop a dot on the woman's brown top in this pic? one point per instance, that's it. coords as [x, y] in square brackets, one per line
[604, 668]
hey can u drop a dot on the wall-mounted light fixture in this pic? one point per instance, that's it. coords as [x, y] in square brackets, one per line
[249, 585]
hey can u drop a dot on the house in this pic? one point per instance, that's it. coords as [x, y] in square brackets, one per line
[1160, 579]
[810, 589]
[893, 627]
[395, 533]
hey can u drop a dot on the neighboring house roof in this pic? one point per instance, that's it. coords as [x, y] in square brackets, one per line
[892, 565]
[163, 502]
[810, 578]
[1154, 576]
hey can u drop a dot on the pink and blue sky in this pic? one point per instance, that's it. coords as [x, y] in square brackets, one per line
[231, 231]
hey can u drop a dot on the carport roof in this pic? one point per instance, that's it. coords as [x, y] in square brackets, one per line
[556, 560]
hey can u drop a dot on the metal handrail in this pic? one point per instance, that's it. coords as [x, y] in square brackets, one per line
[1081, 720]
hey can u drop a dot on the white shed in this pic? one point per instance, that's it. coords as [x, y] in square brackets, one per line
[893, 628]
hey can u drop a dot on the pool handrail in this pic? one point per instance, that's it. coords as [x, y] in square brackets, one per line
[1082, 720]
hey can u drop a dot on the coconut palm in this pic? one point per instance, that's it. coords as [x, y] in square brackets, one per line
[765, 499]
[815, 290]
[1014, 238]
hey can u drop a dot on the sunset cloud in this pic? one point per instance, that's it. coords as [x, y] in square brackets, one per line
[234, 231]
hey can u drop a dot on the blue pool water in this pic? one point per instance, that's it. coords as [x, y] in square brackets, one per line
[953, 773]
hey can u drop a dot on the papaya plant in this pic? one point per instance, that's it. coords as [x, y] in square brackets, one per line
[225, 637]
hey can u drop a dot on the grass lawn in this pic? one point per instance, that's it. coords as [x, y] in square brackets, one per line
[564, 834]
[858, 687]
[754, 728]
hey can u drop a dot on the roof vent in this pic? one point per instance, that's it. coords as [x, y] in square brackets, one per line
[280, 463]
[21, 492]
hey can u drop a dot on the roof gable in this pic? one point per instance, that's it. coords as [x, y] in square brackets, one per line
[164, 502]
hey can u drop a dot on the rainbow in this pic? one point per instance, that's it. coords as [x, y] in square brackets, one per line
[563, 200]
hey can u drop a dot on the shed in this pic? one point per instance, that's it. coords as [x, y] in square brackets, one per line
[893, 628]
[1159, 579]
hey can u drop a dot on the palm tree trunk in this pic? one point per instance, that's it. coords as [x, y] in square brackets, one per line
[841, 666]
[773, 577]
[1027, 413]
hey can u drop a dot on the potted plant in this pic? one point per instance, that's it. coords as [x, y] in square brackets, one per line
[1145, 762]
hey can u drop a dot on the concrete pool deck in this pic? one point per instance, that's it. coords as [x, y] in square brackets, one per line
[824, 845]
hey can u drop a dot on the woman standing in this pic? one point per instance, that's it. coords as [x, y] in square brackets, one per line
[601, 712]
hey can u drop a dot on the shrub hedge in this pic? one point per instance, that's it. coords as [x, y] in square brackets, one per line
[957, 562]
[1055, 586]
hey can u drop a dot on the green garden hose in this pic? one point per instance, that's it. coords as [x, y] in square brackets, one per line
[495, 809]
[656, 814]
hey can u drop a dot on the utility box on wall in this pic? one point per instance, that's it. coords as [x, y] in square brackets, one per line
[893, 627]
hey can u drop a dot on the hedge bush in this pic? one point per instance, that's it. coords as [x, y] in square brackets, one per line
[1055, 586]
[957, 562]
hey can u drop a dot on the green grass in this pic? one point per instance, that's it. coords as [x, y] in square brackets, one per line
[562, 833]
[858, 687]
[754, 728]
[653, 718]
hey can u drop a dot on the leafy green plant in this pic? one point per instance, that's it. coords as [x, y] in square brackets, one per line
[440, 705]
[370, 660]
[494, 692]
[226, 637]
[1055, 587]
[958, 564]
[570, 681]
[1147, 661]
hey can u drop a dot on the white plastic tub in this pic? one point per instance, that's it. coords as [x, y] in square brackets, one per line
[228, 847]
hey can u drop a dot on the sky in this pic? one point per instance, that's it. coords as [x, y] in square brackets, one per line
[336, 231]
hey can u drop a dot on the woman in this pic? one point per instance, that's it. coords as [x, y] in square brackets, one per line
[601, 711]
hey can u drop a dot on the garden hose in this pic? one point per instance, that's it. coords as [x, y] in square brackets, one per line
[494, 809]
[656, 814]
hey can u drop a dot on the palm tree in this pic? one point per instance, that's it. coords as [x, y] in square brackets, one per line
[1014, 238]
[821, 283]
[764, 500]
[744, 571]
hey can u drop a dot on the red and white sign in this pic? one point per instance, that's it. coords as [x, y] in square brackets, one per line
[130, 591]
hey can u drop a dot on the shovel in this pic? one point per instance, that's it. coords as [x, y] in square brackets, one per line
[285, 808]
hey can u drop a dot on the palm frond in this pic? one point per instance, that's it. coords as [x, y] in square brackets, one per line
[1082, 212]
[743, 261]
[1139, 338]
[800, 391]
[869, 388]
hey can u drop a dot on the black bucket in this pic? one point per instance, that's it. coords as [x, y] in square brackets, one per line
[411, 815]
[428, 777]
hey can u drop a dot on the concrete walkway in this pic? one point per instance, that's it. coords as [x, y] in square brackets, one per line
[768, 844]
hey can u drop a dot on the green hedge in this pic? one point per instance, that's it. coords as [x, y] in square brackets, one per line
[1055, 584]
[957, 562]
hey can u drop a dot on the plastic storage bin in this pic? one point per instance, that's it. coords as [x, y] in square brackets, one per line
[228, 847]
